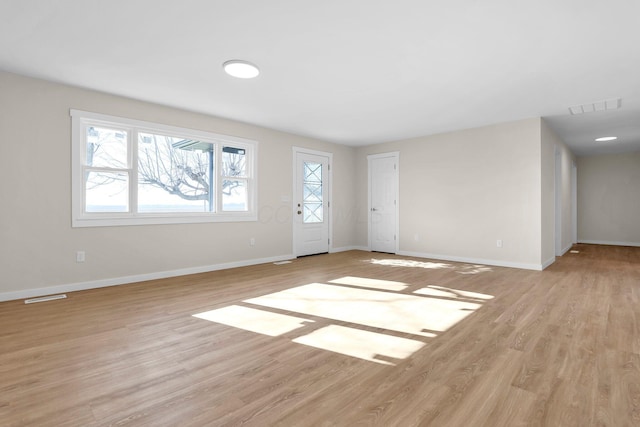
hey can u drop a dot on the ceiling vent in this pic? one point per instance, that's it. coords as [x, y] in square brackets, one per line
[609, 104]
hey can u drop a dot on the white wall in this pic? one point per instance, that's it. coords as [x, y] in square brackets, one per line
[37, 243]
[547, 182]
[462, 191]
[609, 199]
[551, 143]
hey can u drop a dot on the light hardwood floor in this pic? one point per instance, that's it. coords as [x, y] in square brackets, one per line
[505, 347]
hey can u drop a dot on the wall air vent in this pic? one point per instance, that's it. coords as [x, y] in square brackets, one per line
[608, 104]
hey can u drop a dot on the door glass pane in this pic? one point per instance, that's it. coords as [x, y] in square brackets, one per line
[312, 172]
[312, 213]
[312, 203]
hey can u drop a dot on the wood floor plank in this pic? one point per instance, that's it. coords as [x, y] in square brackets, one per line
[559, 347]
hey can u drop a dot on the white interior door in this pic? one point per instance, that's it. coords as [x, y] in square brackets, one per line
[383, 202]
[311, 204]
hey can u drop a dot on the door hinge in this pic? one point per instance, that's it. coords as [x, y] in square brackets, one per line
[394, 237]
[328, 241]
[394, 166]
[328, 167]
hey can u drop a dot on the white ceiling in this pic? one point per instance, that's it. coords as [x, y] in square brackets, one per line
[353, 71]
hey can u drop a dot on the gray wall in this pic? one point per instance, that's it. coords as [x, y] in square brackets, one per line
[609, 199]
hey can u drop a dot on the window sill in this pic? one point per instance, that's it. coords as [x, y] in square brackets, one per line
[156, 219]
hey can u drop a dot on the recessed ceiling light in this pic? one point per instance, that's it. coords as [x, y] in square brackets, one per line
[606, 138]
[241, 69]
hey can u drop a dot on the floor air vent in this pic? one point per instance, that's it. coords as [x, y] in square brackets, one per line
[43, 299]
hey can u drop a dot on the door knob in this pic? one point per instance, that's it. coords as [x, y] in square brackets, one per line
[299, 212]
[373, 209]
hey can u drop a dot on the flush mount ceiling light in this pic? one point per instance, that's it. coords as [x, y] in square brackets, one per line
[606, 138]
[241, 69]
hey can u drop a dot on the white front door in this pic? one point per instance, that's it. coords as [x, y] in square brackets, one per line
[383, 202]
[311, 204]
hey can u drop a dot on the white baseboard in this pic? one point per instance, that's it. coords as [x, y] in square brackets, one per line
[548, 262]
[94, 284]
[497, 263]
[604, 242]
[349, 248]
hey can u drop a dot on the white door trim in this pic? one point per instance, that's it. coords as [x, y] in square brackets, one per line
[574, 202]
[296, 151]
[370, 157]
[558, 201]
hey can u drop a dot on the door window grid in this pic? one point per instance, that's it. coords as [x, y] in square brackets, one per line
[312, 201]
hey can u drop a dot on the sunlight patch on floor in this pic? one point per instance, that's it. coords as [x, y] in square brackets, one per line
[410, 263]
[459, 268]
[394, 311]
[441, 291]
[363, 282]
[360, 302]
[473, 269]
[253, 320]
[365, 345]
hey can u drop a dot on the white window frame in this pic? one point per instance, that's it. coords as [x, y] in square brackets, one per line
[80, 120]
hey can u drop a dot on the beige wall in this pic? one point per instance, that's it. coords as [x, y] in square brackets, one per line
[37, 243]
[462, 191]
[609, 199]
[459, 193]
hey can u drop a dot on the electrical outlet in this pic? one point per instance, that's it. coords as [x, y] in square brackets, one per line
[80, 256]
[252, 242]
[499, 243]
